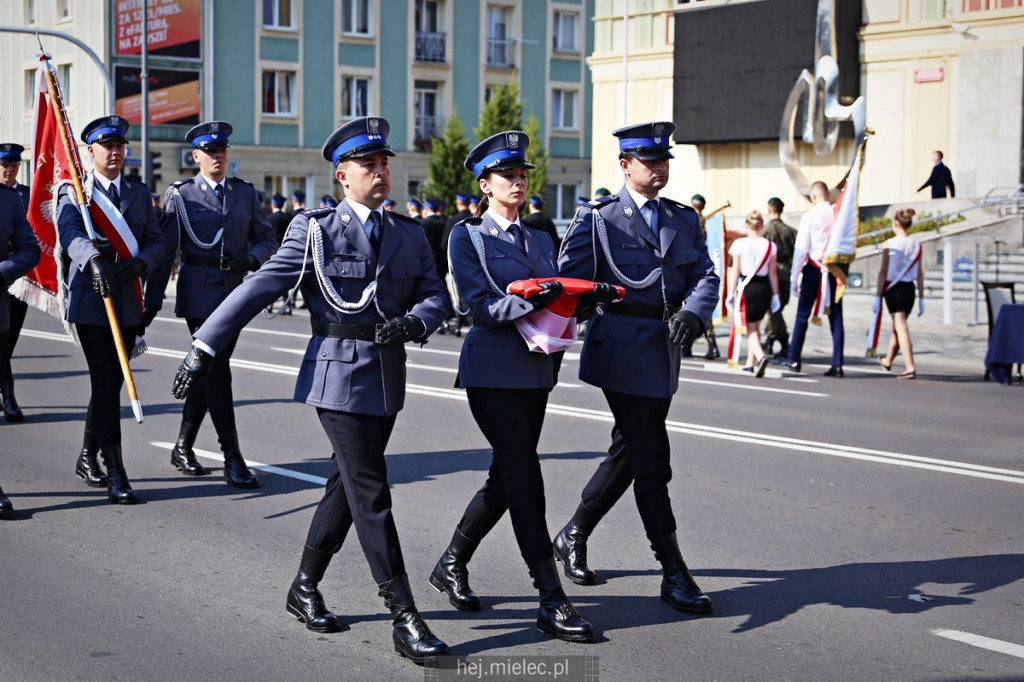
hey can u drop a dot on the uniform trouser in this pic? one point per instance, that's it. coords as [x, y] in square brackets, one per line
[105, 378]
[9, 338]
[511, 420]
[357, 493]
[776, 327]
[643, 457]
[216, 395]
[809, 288]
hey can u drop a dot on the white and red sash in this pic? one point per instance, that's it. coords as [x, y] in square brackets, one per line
[875, 325]
[738, 328]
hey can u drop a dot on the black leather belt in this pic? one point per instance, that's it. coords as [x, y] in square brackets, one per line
[336, 330]
[207, 262]
[647, 312]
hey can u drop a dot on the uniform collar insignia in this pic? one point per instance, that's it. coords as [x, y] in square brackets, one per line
[391, 221]
[493, 231]
[628, 210]
[346, 218]
[668, 211]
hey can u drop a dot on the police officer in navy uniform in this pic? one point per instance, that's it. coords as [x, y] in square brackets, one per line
[370, 285]
[10, 166]
[222, 232]
[506, 384]
[19, 253]
[97, 270]
[654, 247]
[462, 212]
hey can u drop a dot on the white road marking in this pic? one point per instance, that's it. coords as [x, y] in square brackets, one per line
[753, 438]
[751, 387]
[269, 468]
[998, 645]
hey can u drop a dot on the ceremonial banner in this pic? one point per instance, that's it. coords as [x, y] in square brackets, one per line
[716, 249]
[842, 242]
[50, 167]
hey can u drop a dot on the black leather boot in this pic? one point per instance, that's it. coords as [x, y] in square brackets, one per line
[236, 473]
[87, 467]
[182, 456]
[678, 587]
[570, 546]
[412, 638]
[451, 575]
[304, 599]
[712, 352]
[556, 615]
[5, 504]
[12, 412]
[119, 490]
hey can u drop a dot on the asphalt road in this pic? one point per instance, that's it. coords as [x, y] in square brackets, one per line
[846, 529]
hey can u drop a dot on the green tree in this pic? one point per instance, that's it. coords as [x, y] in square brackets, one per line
[446, 173]
[537, 178]
[504, 111]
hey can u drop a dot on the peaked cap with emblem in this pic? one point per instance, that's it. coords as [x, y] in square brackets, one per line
[647, 141]
[210, 135]
[10, 152]
[357, 138]
[106, 129]
[499, 152]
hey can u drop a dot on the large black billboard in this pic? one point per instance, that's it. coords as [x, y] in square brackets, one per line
[735, 65]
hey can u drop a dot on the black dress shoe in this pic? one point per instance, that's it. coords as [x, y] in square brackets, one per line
[794, 365]
[5, 504]
[834, 371]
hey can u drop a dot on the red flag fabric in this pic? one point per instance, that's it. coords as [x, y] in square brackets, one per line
[50, 166]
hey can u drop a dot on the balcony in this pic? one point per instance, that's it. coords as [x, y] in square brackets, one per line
[430, 47]
[427, 128]
[500, 53]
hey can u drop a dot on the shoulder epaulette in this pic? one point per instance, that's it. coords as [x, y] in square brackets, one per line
[680, 205]
[244, 182]
[131, 178]
[475, 220]
[317, 212]
[183, 181]
[601, 201]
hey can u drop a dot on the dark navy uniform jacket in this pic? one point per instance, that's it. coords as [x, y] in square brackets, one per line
[202, 285]
[24, 192]
[19, 248]
[344, 375]
[494, 355]
[630, 354]
[84, 305]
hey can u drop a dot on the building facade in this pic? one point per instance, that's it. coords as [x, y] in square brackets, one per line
[285, 73]
[936, 75]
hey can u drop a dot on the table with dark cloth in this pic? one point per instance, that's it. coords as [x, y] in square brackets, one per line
[1006, 345]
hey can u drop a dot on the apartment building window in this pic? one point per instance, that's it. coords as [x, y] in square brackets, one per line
[355, 17]
[30, 12]
[278, 95]
[563, 109]
[562, 201]
[564, 32]
[277, 14]
[64, 76]
[63, 10]
[499, 46]
[430, 40]
[425, 100]
[355, 97]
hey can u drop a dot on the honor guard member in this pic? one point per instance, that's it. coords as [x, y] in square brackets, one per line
[433, 228]
[653, 247]
[103, 269]
[539, 221]
[413, 208]
[10, 166]
[298, 202]
[462, 212]
[371, 287]
[19, 253]
[223, 233]
[506, 384]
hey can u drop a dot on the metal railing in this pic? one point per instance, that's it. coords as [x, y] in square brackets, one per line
[430, 47]
[428, 127]
[500, 52]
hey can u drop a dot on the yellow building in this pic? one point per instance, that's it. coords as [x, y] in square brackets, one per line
[935, 74]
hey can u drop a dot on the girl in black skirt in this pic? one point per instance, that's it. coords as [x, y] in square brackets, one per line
[901, 266]
[753, 259]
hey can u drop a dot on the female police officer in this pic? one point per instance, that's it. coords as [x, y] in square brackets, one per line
[507, 385]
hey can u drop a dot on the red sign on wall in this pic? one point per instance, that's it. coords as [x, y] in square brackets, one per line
[174, 28]
[936, 75]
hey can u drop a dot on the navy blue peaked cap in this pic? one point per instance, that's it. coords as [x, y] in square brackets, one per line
[498, 152]
[647, 141]
[357, 138]
[106, 129]
[210, 135]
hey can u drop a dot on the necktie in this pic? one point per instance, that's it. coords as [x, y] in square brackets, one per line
[218, 191]
[652, 220]
[115, 196]
[375, 232]
[517, 236]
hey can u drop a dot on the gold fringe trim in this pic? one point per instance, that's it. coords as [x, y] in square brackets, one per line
[871, 353]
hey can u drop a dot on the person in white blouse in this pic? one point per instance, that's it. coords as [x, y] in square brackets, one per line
[753, 259]
[901, 266]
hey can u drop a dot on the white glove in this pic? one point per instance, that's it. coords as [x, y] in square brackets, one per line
[794, 290]
[776, 303]
[920, 307]
[876, 304]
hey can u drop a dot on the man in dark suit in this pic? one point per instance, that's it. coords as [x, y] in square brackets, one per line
[223, 233]
[19, 253]
[940, 178]
[10, 166]
[381, 291]
[654, 247]
[279, 218]
[538, 220]
[114, 265]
